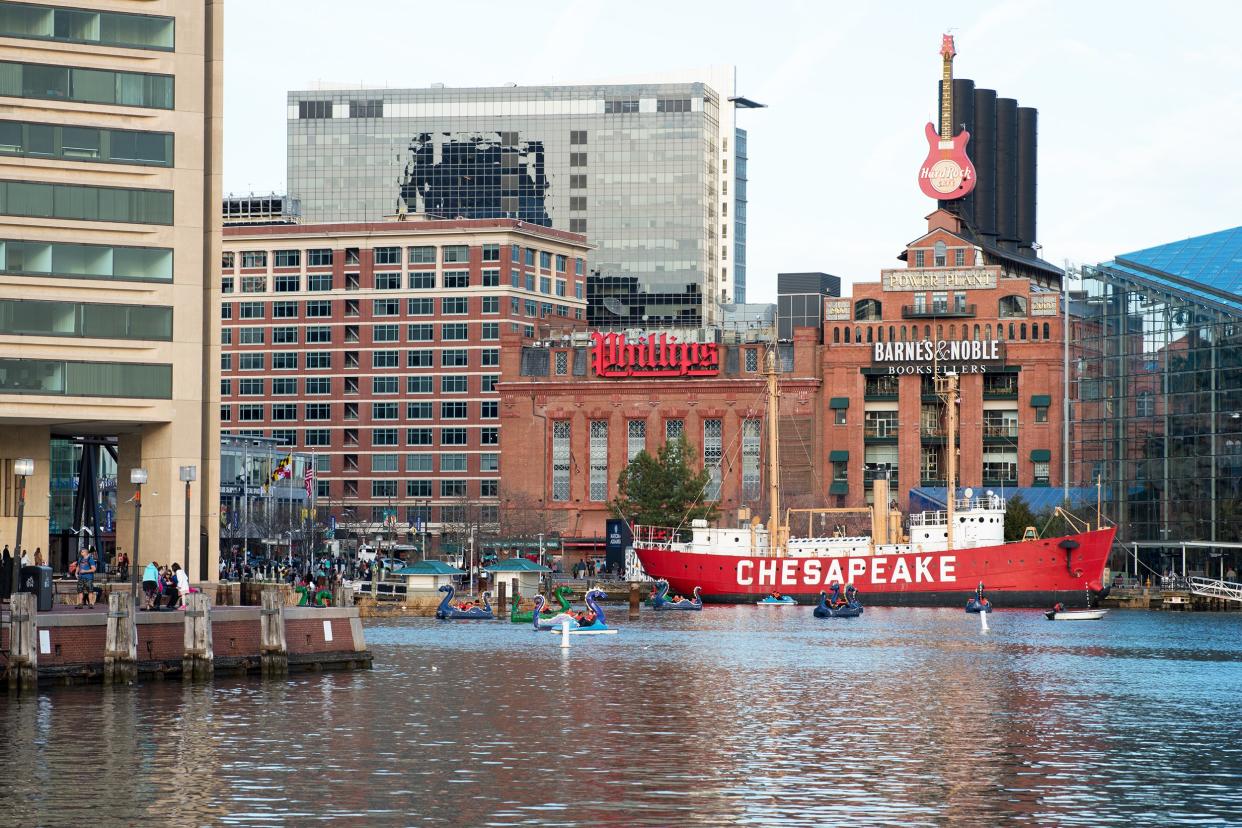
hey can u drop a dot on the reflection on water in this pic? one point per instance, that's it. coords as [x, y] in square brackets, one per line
[732, 716]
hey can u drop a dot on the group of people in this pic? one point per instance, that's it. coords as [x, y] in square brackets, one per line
[167, 585]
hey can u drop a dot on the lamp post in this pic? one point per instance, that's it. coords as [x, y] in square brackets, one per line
[137, 477]
[22, 468]
[542, 575]
[188, 475]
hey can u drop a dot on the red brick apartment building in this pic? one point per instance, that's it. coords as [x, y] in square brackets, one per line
[377, 348]
[857, 398]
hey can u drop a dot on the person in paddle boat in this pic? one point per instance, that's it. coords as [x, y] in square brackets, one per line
[585, 618]
[466, 606]
[775, 596]
[1058, 607]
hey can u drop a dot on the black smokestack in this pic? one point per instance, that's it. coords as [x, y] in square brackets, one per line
[1027, 121]
[983, 154]
[963, 118]
[1007, 172]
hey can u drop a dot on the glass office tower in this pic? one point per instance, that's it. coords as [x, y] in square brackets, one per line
[652, 173]
[1159, 415]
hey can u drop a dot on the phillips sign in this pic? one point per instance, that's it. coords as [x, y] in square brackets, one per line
[652, 355]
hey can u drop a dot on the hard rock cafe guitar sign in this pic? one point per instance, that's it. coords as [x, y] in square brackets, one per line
[947, 173]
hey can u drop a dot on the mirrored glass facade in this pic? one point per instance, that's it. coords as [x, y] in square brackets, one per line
[1159, 412]
[648, 172]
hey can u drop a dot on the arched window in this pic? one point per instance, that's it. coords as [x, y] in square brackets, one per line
[987, 332]
[892, 333]
[836, 335]
[903, 333]
[869, 335]
[1021, 331]
[1000, 330]
[1011, 332]
[1046, 331]
[941, 255]
[940, 332]
[879, 333]
[866, 309]
[927, 331]
[858, 335]
[977, 332]
[1011, 307]
[953, 332]
[1034, 330]
[847, 336]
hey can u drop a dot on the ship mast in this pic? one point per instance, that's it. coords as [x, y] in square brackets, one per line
[774, 483]
[946, 389]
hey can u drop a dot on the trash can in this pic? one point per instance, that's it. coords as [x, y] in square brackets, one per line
[38, 579]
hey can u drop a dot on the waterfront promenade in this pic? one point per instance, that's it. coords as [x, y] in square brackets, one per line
[729, 716]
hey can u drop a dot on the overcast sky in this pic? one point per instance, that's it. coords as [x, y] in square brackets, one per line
[1140, 104]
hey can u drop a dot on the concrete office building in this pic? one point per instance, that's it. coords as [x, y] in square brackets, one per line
[654, 174]
[109, 238]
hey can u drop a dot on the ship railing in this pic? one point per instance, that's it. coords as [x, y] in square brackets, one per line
[661, 537]
[941, 516]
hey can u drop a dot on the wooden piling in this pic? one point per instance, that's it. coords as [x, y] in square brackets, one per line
[500, 598]
[23, 642]
[273, 647]
[635, 600]
[121, 643]
[197, 663]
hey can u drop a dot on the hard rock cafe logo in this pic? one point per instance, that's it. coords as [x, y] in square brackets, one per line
[652, 355]
[945, 176]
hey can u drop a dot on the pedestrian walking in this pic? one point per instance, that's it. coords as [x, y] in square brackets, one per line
[183, 584]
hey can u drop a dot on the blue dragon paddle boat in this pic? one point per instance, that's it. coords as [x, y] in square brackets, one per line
[776, 601]
[978, 602]
[838, 607]
[660, 602]
[599, 625]
[447, 612]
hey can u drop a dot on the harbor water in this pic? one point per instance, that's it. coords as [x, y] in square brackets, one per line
[730, 716]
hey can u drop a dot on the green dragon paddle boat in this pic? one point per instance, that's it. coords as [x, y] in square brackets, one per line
[518, 617]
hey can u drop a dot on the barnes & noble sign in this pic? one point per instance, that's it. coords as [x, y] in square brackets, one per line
[966, 356]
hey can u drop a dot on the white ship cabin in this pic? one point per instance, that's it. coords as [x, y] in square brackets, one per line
[978, 521]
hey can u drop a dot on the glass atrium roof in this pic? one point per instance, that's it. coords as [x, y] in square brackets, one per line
[1208, 266]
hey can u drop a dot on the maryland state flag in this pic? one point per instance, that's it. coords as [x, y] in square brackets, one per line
[283, 469]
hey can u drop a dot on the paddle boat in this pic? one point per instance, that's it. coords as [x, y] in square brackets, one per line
[447, 612]
[776, 600]
[838, 607]
[597, 627]
[660, 601]
[1060, 613]
[519, 617]
[978, 602]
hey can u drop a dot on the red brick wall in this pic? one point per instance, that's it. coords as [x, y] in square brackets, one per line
[306, 636]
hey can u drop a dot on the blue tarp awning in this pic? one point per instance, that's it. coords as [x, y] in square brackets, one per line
[1040, 498]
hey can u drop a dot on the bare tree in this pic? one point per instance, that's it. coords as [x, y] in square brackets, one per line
[524, 516]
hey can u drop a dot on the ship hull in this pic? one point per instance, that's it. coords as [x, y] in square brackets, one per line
[1022, 574]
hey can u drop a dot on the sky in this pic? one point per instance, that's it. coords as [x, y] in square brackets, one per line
[1140, 104]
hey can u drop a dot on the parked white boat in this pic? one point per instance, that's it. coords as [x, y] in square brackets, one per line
[1075, 615]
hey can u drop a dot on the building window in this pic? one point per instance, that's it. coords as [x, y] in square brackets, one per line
[713, 451]
[577, 136]
[620, 107]
[419, 358]
[454, 384]
[388, 281]
[321, 360]
[959, 257]
[384, 436]
[868, 310]
[419, 385]
[455, 306]
[318, 411]
[284, 386]
[560, 460]
[422, 255]
[384, 385]
[1042, 470]
[421, 280]
[454, 332]
[490, 358]
[453, 411]
[918, 258]
[751, 435]
[562, 363]
[577, 225]
[385, 359]
[418, 436]
[941, 254]
[1011, 307]
[673, 429]
[319, 282]
[929, 465]
[99, 86]
[491, 278]
[455, 358]
[599, 461]
[577, 159]
[838, 416]
[1041, 414]
[636, 439]
[577, 182]
[456, 254]
[420, 333]
[491, 331]
[1000, 465]
[318, 385]
[385, 307]
[881, 424]
[880, 462]
[673, 105]
[453, 462]
[386, 333]
[456, 279]
[940, 302]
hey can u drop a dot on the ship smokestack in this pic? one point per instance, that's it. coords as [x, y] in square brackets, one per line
[879, 512]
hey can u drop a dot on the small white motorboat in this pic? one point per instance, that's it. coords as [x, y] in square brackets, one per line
[1075, 615]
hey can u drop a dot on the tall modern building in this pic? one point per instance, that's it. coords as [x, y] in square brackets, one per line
[1159, 411]
[654, 174]
[109, 241]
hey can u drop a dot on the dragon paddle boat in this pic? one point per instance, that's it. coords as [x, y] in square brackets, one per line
[838, 607]
[776, 600]
[598, 626]
[978, 602]
[519, 617]
[660, 601]
[448, 612]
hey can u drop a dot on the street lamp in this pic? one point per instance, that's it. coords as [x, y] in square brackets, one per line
[188, 474]
[22, 468]
[137, 477]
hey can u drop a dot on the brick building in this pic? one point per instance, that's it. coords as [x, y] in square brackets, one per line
[855, 408]
[376, 347]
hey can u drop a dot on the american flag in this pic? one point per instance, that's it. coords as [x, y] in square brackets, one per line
[308, 480]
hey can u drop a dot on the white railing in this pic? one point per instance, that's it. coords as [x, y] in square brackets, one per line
[1215, 588]
[941, 517]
